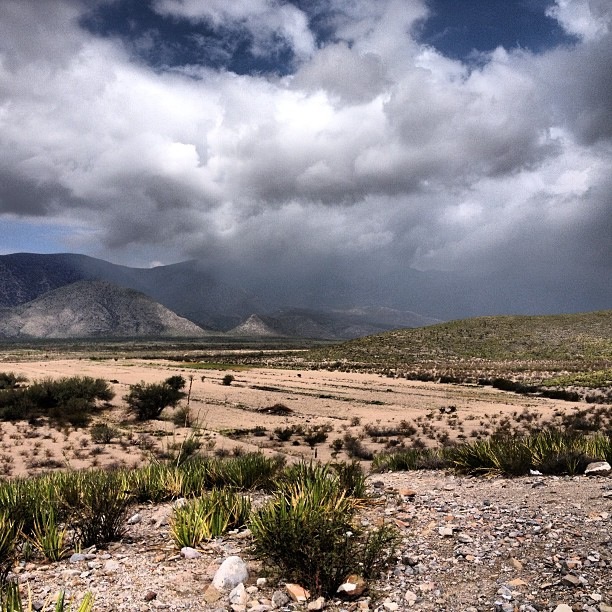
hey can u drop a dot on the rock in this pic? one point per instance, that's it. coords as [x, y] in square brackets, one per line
[78, 557]
[279, 599]
[150, 596]
[516, 564]
[297, 593]
[605, 608]
[111, 566]
[445, 532]
[232, 572]
[563, 608]
[261, 582]
[407, 493]
[160, 517]
[571, 580]
[598, 468]
[352, 587]
[410, 597]
[134, 519]
[238, 595]
[317, 604]
[212, 594]
[190, 553]
[464, 538]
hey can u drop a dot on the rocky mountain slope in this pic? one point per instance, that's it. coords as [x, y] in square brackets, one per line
[184, 288]
[196, 294]
[93, 309]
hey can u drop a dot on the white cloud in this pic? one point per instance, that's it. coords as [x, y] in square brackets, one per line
[264, 19]
[587, 19]
[377, 149]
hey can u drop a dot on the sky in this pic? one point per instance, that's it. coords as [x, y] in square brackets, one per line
[292, 140]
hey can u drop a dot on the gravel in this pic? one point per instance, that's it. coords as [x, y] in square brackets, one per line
[468, 544]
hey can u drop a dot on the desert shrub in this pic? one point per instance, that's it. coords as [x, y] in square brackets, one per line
[102, 433]
[283, 434]
[209, 516]
[228, 379]
[96, 505]
[70, 400]
[147, 401]
[9, 380]
[355, 448]
[179, 452]
[314, 436]
[182, 417]
[48, 537]
[307, 531]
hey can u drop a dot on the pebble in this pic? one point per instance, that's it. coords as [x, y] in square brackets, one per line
[481, 545]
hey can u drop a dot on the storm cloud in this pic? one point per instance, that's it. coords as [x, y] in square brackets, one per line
[374, 154]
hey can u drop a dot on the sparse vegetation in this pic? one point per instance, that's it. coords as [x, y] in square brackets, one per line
[67, 400]
[147, 401]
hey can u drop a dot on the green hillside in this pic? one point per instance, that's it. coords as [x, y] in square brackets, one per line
[534, 347]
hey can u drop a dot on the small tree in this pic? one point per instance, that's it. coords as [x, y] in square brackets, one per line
[147, 401]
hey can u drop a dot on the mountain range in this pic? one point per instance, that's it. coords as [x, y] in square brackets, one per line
[70, 295]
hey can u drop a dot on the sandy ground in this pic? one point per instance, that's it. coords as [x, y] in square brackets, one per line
[341, 402]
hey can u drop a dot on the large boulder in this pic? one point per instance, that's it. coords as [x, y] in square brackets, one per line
[598, 468]
[232, 572]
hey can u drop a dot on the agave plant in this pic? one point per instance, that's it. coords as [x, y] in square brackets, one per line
[48, 537]
[212, 515]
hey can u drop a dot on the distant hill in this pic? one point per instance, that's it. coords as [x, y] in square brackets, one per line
[184, 288]
[196, 294]
[583, 338]
[89, 309]
[329, 324]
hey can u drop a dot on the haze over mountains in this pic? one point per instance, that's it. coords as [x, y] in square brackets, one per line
[69, 295]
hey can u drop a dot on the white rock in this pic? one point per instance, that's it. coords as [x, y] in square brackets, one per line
[190, 553]
[111, 566]
[232, 572]
[317, 604]
[238, 595]
[563, 608]
[134, 519]
[598, 468]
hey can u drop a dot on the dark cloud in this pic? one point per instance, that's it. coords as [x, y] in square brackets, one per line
[373, 156]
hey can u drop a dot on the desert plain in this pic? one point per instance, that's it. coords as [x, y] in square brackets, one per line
[252, 412]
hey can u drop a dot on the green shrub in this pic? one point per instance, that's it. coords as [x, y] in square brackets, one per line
[351, 478]
[307, 531]
[102, 433]
[68, 400]
[48, 537]
[9, 380]
[8, 542]
[147, 401]
[209, 516]
[96, 504]
[10, 601]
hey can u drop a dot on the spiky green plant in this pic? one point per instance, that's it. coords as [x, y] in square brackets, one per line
[8, 542]
[11, 601]
[96, 503]
[49, 537]
[212, 515]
